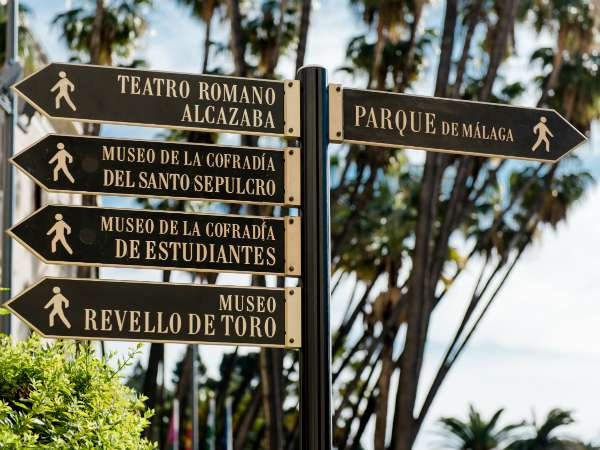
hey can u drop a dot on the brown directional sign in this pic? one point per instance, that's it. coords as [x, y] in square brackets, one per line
[450, 126]
[161, 312]
[89, 93]
[99, 165]
[80, 235]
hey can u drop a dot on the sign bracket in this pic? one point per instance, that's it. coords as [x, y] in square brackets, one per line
[293, 312]
[336, 111]
[293, 247]
[292, 185]
[291, 108]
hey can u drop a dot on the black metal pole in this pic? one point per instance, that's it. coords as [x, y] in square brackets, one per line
[315, 355]
[194, 399]
[12, 27]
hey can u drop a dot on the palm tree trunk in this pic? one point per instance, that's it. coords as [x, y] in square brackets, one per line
[183, 389]
[93, 129]
[247, 420]
[207, 44]
[419, 308]
[303, 32]
[345, 327]
[150, 385]
[383, 384]
[498, 52]
[238, 46]
[447, 46]
[344, 438]
[222, 390]
[270, 374]
[557, 60]
[273, 57]
[96, 35]
[454, 350]
[364, 420]
[569, 102]
[464, 57]
[412, 47]
[377, 79]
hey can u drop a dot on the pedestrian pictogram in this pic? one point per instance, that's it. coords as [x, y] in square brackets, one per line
[58, 303]
[60, 230]
[64, 86]
[463, 127]
[163, 169]
[161, 312]
[542, 131]
[164, 99]
[61, 160]
[198, 242]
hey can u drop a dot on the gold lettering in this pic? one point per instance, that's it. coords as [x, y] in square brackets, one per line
[90, 320]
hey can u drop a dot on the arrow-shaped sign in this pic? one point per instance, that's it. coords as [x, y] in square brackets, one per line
[80, 235]
[450, 126]
[99, 165]
[161, 312]
[89, 93]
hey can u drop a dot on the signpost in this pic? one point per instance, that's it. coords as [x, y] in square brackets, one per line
[80, 235]
[77, 235]
[108, 166]
[315, 354]
[119, 95]
[157, 312]
[450, 126]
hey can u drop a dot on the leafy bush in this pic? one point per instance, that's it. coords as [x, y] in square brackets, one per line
[60, 396]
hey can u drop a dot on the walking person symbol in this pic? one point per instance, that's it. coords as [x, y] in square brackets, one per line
[542, 131]
[64, 86]
[56, 302]
[60, 229]
[62, 158]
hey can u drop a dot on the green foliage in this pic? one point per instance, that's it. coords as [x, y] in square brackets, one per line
[476, 433]
[30, 54]
[360, 54]
[123, 24]
[384, 224]
[577, 94]
[260, 27]
[545, 435]
[59, 396]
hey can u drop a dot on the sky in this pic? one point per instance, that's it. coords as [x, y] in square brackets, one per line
[537, 347]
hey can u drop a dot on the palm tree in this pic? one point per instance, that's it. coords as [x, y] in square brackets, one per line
[105, 34]
[476, 433]
[102, 34]
[389, 18]
[576, 445]
[30, 52]
[305, 11]
[545, 437]
[205, 11]
[571, 21]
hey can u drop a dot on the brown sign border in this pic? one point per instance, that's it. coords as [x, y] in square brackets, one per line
[291, 173]
[291, 105]
[292, 232]
[336, 126]
[293, 319]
